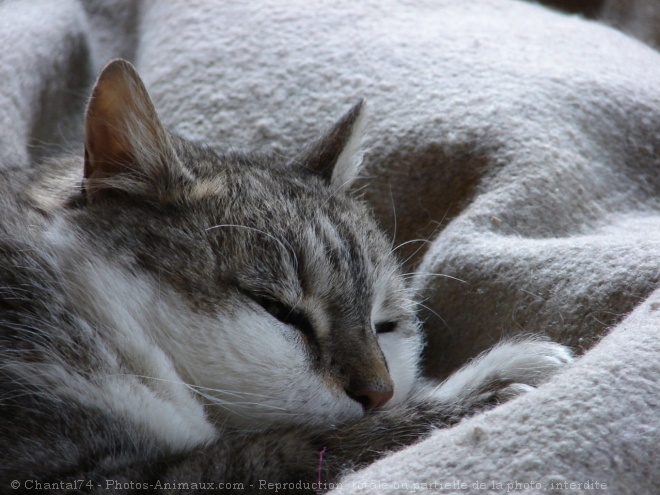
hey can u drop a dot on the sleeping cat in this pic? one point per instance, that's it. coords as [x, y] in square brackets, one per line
[169, 314]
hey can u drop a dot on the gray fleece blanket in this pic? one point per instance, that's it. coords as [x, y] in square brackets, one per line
[513, 153]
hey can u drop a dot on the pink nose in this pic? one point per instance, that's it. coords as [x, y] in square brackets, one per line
[371, 398]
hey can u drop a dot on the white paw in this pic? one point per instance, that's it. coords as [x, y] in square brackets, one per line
[506, 371]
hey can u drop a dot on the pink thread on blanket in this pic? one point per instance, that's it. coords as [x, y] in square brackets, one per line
[320, 465]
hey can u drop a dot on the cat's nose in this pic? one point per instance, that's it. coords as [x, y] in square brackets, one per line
[371, 397]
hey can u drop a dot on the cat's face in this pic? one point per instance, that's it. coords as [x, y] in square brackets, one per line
[286, 303]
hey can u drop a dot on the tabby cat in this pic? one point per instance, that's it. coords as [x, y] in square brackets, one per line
[172, 317]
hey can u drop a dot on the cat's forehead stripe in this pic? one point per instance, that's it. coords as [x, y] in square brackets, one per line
[338, 251]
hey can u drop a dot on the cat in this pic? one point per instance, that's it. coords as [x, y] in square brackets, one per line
[171, 316]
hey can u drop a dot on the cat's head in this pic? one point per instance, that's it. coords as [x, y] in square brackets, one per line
[278, 298]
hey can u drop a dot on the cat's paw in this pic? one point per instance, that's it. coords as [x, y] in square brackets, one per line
[504, 372]
[526, 362]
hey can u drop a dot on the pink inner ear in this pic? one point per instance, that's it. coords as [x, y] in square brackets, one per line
[122, 129]
[107, 140]
[105, 151]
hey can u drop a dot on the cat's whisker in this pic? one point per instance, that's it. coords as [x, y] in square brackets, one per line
[240, 406]
[389, 184]
[195, 388]
[411, 275]
[214, 401]
[231, 406]
[359, 192]
[428, 240]
[423, 243]
[411, 241]
[245, 408]
[232, 393]
[433, 312]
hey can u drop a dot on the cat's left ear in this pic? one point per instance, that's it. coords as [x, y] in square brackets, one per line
[337, 155]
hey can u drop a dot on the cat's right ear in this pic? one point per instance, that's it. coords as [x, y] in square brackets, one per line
[126, 146]
[337, 155]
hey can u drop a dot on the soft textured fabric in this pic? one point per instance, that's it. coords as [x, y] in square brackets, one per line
[512, 154]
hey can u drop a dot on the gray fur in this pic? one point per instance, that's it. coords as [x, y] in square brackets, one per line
[119, 274]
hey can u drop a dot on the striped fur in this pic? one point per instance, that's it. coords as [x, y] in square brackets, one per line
[168, 312]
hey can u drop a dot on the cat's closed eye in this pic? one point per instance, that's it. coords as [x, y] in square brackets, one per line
[286, 314]
[385, 327]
